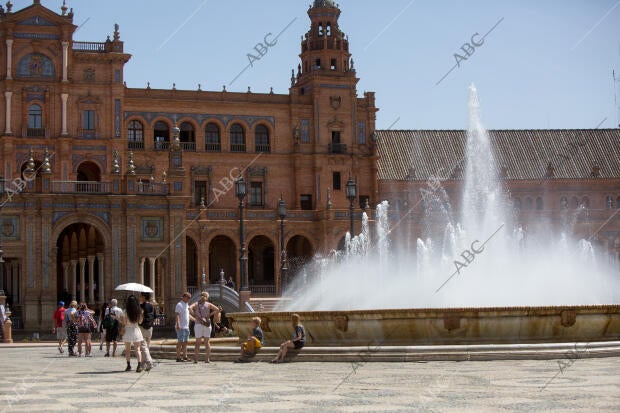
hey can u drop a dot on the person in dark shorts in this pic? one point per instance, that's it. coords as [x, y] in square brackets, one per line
[111, 325]
[297, 342]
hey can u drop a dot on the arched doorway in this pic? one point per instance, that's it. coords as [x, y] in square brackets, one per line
[261, 265]
[222, 255]
[80, 264]
[191, 265]
[298, 253]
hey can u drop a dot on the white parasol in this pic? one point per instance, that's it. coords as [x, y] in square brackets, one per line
[135, 287]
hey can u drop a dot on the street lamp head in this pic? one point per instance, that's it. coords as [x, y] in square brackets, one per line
[240, 188]
[281, 209]
[351, 189]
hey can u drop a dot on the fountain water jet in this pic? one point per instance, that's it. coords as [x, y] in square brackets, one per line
[518, 284]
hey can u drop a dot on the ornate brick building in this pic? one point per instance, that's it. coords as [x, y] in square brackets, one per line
[105, 184]
[130, 184]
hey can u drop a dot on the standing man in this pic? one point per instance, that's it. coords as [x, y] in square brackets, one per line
[58, 325]
[182, 326]
[146, 328]
[71, 326]
[201, 313]
[112, 326]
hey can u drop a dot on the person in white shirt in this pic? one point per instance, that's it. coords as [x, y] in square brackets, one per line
[182, 326]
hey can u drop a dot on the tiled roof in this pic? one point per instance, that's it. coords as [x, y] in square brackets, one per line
[522, 154]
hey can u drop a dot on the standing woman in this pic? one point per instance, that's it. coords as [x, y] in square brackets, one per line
[132, 317]
[72, 331]
[201, 312]
[86, 324]
[297, 342]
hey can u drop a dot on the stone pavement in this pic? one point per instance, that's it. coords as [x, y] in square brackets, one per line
[36, 379]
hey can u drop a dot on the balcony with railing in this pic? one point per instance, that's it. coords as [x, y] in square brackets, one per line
[80, 187]
[237, 147]
[337, 148]
[135, 145]
[213, 147]
[266, 148]
[89, 47]
[88, 133]
[151, 188]
[35, 132]
[189, 146]
[162, 146]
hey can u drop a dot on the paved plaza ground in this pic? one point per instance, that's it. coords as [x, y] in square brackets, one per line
[39, 379]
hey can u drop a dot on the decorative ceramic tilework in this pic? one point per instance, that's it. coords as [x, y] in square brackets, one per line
[152, 228]
[10, 227]
[35, 65]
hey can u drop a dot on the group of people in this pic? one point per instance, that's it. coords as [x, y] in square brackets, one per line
[76, 324]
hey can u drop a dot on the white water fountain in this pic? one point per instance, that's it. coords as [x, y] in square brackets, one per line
[486, 259]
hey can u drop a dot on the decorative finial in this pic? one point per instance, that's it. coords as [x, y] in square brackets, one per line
[224, 88]
[148, 85]
[131, 167]
[30, 165]
[292, 77]
[63, 9]
[249, 90]
[163, 177]
[116, 167]
[174, 86]
[271, 90]
[9, 6]
[199, 87]
[70, 15]
[46, 167]
[202, 202]
[117, 35]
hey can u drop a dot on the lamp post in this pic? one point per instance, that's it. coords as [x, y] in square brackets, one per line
[241, 191]
[283, 269]
[351, 189]
[1, 252]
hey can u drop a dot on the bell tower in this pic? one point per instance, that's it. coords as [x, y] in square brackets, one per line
[324, 49]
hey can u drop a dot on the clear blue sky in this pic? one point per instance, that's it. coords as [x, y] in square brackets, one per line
[548, 64]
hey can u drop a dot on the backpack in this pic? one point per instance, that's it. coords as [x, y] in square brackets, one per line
[108, 322]
[148, 314]
[86, 322]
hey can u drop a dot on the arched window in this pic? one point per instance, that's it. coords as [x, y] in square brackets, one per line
[135, 135]
[237, 138]
[320, 29]
[187, 136]
[161, 134]
[261, 139]
[329, 29]
[563, 203]
[539, 203]
[574, 202]
[585, 202]
[517, 203]
[528, 203]
[35, 116]
[212, 138]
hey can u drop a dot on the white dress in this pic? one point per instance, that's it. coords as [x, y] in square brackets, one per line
[132, 332]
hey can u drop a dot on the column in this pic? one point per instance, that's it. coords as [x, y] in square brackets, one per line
[9, 58]
[152, 273]
[65, 60]
[82, 279]
[73, 267]
[7, 96]
[64, 97]
[91, 279]
[141, 280]
[101, 280]
[8, 274]
[65, 275]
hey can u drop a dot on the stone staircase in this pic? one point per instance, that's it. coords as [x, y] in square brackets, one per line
[261, 304]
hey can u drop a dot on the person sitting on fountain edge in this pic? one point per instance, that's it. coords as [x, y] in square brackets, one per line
[250, 347]
[297, 342]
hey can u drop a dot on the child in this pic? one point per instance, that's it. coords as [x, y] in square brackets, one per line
[297, 342]
[250, 347]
